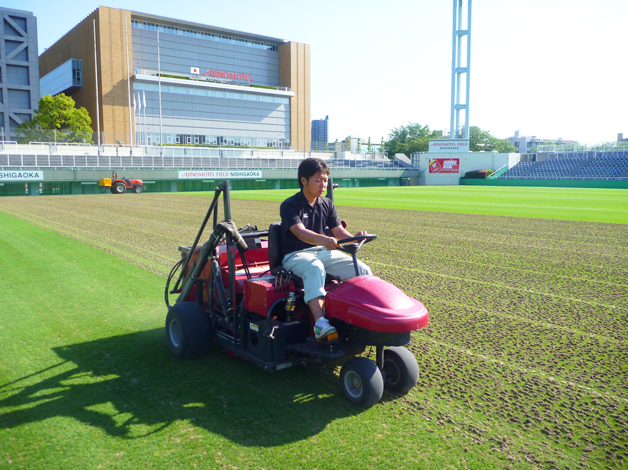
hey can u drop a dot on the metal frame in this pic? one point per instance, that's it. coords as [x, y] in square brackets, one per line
[461, 18]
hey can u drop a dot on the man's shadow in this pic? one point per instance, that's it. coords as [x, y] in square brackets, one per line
[132, 386]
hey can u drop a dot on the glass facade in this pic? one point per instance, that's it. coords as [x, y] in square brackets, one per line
[202, 35]
[65, 78]
[182, 90]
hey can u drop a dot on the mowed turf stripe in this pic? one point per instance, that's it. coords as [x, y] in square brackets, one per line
[143, 257]
[60, 290]
[583, 204]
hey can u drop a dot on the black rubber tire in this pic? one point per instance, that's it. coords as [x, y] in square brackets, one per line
[118, 188]
[361, 382]
[188, 330]
[137, 189]
[401, 371]
[113, 191]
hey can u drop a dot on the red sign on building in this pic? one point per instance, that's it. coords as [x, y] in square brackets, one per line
[229, 75]
[444, 165]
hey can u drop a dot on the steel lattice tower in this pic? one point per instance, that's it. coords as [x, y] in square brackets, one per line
[461, 31]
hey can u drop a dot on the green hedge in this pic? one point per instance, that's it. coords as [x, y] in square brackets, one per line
[478, 174]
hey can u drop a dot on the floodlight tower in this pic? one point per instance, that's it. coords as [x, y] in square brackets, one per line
[461, 30]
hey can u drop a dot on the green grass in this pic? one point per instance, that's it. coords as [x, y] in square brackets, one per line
[582, 204]
[87, 381]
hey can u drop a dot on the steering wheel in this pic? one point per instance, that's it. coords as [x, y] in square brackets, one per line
[353, 248]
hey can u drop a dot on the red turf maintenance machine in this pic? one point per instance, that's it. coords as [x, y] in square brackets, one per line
[119, 185]
[233, 291]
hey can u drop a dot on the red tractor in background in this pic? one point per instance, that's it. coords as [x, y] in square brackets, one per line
[120, 185]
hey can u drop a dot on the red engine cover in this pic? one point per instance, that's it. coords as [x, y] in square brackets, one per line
[374, 304]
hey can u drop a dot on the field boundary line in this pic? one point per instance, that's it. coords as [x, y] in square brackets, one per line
[533, 322]
[510, 365]
[530, 271]
[552, 248]
[493, 284]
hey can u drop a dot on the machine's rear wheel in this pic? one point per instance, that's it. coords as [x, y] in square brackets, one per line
[137, 189]
[401, 371]
[361, 382]
[188, 330]
[118, 188]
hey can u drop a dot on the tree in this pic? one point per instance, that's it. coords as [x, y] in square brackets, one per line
[481, 140]
[359, 147]
[369, 147]
[57, 113]
[346, 144]
[409, 139]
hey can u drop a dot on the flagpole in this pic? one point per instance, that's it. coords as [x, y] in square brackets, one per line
[139, 112]
[144, 103]
[96, 76]
[128, 77]
[134, 121]
[161, 135]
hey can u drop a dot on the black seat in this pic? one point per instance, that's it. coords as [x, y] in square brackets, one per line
[275, 256]
[274, 245]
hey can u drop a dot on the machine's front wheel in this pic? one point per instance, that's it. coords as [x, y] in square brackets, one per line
[361, 382]
[188, 330]
[137, 189]
[119, 188]
[401, 371]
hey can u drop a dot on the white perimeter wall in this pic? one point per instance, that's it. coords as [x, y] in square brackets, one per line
[469, 161]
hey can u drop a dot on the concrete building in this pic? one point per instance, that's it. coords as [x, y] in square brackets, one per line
[162, 80]
[320, 133]
[528, 144]
[19, 70]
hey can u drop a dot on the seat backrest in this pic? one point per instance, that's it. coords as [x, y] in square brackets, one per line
[274, 245]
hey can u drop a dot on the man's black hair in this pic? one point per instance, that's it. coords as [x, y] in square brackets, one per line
[309, 167]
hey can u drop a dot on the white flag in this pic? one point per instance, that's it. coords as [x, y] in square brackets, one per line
[139, 101]
[144, 96]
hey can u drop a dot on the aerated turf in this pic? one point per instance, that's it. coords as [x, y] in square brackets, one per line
[523, 364]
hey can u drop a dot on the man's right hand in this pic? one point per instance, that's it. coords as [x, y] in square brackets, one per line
[331, 243]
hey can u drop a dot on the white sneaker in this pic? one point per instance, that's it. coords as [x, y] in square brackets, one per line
[322, 328]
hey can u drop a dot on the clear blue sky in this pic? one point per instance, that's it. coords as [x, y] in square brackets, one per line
[550, 68]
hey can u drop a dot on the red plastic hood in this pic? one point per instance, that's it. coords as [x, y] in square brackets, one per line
[374, 304]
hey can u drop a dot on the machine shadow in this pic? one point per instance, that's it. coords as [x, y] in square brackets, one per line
[131, 386]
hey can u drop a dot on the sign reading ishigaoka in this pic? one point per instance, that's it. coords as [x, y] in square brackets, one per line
[449, 146]
[244, 174]
[444, 165]
[21, 175]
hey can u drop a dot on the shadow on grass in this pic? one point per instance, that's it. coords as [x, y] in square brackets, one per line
[131, 386]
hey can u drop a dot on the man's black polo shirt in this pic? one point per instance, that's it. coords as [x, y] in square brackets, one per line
[296, 210]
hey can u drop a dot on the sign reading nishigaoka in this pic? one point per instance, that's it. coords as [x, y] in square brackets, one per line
[217, 174]
[21, 175]
[449, 146]
[444, 165]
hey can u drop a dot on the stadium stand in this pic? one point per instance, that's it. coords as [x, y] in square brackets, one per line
[590, 165]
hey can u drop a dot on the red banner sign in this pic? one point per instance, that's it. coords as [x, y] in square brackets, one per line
[444, 165]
